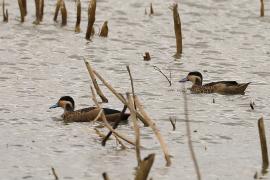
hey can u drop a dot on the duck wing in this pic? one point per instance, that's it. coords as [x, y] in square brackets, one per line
[227, 83]
[106, 110]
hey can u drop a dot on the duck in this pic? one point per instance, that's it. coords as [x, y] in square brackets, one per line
[86, 114]
[221, 87]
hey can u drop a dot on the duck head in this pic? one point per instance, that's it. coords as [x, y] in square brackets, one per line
[65, 102]
[195, 77]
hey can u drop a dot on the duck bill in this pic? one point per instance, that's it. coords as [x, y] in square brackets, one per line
[54, 106]
[183, 80]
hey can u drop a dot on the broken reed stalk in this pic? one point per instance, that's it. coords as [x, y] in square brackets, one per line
[177, 30]
[192, 152]
[105, 176]
[106, 124]
[41, 10]
[5, 14]
[265, 160]
[93, 78]
[104, 30]
[22, 11]
[63, 13]
[119, 96]
[91, 18]
[58, 4]
[153, 126]
[24, 3]
[159, 70]
[54, 174]
[78, 20]
[136, 129]
[151, 9]
[262, 8]
[147, 56]
[115, 125]
[145, 167]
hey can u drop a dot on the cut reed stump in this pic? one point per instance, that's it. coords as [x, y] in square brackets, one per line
[151, 9]
[145, 167]
[5, 14]
[38, 12]
[104, 30]
[41, 9]
[63, 13]
[58, 4]
[24, 7]
[78, 21]
[91, 18]
[105, 176]
[177, 30]
[265, 160]
[147, 56]
[262, 8]
[22, 11]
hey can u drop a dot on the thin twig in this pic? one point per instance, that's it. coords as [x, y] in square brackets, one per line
[159, 70]
[54, 174]
[173, 122]
[193, 156]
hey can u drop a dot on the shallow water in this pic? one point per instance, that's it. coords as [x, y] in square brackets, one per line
[225, 40]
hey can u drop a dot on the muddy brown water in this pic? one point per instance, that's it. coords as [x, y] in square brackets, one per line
[225, 40]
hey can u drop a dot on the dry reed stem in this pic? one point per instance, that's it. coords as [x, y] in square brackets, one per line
[151, 9]
[105, 176]
[93, 78]
[265, 160]
[58, 4]
[24, 3]
[262, 8]
[120, 142]
[22, 11]
[153, 126]
[63, 13]
[104, 30]
[115, 125]
[192, 152]
[132, 86]
[54, 174]
[78, 20]
[177, 30]
[98, 116]
[106, 124]
[119, 96]
[99, 133]
[5, 14]
[145, 167]
[136, 129]
[91, 18]
[147, 56]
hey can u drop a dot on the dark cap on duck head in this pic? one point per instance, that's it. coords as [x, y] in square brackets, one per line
[64, 98]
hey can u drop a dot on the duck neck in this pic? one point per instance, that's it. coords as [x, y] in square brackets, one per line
[68, 108]
[197, 82]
